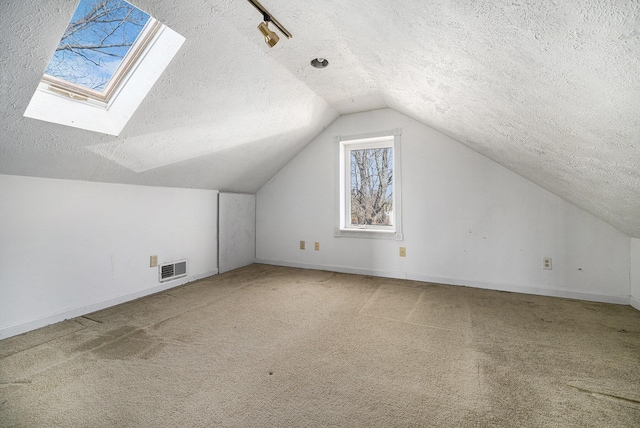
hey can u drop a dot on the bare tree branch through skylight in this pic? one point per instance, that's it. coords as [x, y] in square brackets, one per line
[98, 37]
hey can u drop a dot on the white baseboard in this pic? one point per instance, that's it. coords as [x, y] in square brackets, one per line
[526, 289]
[634, 302]
[17, 329]
[340, 269]
[515, 288]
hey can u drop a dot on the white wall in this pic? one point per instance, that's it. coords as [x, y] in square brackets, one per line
[237, 228]
[635, 273]
[69, 247]
[467, 221]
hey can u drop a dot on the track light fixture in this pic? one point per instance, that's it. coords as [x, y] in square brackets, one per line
[270, 37]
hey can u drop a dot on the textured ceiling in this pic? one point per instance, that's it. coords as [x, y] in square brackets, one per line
[549, 89]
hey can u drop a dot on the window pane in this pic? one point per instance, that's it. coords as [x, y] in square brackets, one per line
[100, 34]
[372, 187]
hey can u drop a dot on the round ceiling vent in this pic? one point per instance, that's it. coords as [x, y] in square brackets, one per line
[319, 62]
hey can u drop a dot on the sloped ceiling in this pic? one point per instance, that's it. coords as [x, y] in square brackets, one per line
[549, 89]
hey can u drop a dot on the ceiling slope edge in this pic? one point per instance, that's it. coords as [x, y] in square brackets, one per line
[628, 231]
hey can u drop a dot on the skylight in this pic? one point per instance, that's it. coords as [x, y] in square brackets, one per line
[97, 46]
[106, 62]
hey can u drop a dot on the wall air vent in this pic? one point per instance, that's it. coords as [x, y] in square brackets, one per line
[172, 270]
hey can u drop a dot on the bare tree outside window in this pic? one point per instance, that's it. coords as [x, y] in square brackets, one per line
[372, 186]
[98, 37]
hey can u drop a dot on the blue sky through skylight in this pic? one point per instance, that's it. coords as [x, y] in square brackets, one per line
[98, 37]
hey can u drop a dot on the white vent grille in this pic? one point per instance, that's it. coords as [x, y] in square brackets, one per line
[171, 271]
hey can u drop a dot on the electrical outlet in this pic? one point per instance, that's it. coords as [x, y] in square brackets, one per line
[546, 263]
[302, 245]
[153, 261]
[317, 246]
[403, 252]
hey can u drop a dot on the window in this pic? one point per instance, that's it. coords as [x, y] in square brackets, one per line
[369, 195]
[101, 43]
[106, 62]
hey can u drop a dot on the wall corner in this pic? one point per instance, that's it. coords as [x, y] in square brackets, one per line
[634, 274]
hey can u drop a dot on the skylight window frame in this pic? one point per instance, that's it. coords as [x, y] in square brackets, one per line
[82, 93]
[64, 108]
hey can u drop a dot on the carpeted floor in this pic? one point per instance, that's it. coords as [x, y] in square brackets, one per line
[266, 346]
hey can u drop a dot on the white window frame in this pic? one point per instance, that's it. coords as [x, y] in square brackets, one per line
[344, 145]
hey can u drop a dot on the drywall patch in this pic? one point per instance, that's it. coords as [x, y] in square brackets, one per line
[237, 230]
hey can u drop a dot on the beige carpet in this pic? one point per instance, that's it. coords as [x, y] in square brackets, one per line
[267, 346]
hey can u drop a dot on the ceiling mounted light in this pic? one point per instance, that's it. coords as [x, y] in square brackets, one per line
[270, 37]
[319, 62]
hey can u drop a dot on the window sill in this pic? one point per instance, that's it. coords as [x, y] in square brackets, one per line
[369, 234]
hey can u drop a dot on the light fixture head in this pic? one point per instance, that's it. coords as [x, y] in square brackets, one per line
[270, 37]
[319, 62]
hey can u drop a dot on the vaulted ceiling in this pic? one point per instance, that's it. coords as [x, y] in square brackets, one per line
[549, 89]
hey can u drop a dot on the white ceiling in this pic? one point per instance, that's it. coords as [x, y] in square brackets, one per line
[549, 89]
